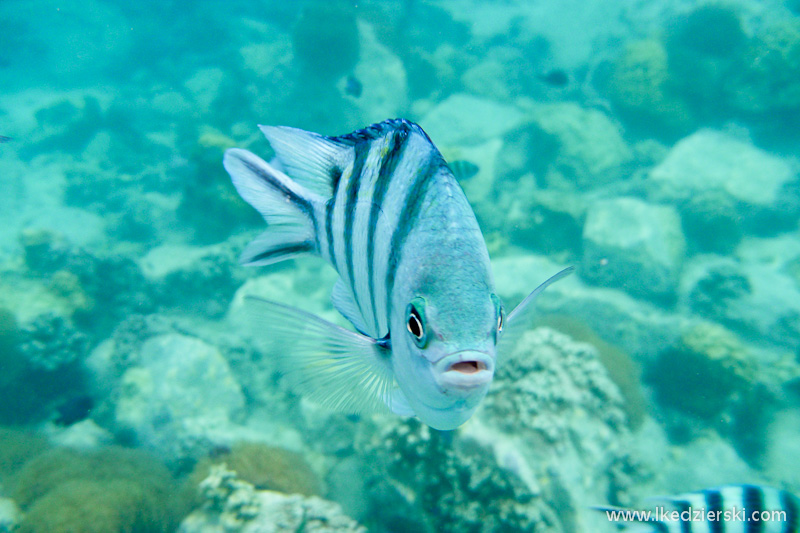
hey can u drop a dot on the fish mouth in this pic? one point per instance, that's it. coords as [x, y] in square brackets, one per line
[466, 369]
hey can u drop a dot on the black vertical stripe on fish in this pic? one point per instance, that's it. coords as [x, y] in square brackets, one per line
[714, 506]
[301, 203]
[336, 178]
[387, 170]
[329, 228]
[789, 504]
[336, 175]
[406, 222]
[288, 249]
[353, 186]
[753, 502]
[681, 506]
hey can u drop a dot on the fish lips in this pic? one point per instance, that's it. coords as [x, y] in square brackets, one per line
[464, 371]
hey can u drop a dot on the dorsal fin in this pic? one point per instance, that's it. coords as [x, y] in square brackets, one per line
[312, 160]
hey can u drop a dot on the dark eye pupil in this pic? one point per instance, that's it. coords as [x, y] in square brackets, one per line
[415, 324]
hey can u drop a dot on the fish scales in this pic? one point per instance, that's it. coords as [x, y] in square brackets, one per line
[383, 207]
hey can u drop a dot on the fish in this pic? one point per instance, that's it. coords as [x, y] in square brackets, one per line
[554, 78]
[4, 139]
[73, 410]
[353, 87]
[382, 206]
[726, 509]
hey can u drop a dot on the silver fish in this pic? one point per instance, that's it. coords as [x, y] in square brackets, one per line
[727, 509]
[382, 206]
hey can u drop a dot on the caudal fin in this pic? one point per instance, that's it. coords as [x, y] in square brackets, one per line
[287, 207]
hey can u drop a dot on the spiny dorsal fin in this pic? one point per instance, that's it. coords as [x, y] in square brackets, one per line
[312, 160]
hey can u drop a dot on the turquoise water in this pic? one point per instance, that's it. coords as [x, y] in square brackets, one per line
[653, 145]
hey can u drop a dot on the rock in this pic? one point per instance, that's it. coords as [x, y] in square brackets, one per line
[591, 149]
[463, 119]
[709, 170]
[10, 515]
[181, 398]
[233, 505]
[547, 221]
[703, 372]
[194, 278]
[633, 245]
[382, 77]
[638, 327]
[755, 297]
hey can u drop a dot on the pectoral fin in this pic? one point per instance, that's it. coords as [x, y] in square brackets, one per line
[341, 369]
[519, 319]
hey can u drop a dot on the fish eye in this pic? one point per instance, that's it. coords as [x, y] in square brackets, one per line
[415, 325]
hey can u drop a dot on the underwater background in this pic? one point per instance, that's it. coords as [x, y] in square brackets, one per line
[653, 145]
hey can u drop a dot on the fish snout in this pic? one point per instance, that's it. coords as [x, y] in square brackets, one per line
[468, 369]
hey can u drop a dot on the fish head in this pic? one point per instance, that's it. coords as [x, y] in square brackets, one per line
[445, 355]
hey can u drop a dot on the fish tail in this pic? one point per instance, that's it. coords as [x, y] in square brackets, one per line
[288, 208]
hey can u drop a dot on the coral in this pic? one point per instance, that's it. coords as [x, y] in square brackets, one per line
[209, 202]
[712, 29]
[85, 506]
[434, 482]
[12, 364]
[99, 290]
[325, 39]
[66, 285]
[769, 79]
[547, 439]
[621, 368]
[722, 283]
[113, 489]
[702, 373]
[17, 446]
[50, 342]
[232, 505]
[233, 499]
[266, 467]
[639, 85]
[704, 47]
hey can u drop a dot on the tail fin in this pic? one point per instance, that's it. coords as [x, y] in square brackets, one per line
[287, 207]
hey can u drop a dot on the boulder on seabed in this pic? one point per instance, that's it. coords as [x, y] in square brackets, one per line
[181, 399]
[634, 245]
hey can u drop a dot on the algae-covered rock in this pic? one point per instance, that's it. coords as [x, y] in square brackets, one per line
[465, 120]
[181, 398]
[756, 295]
[633, 245]
[265, 467]
[702, 373]
[639, 86]
[591, 149]
[727, 185]
[769, 80]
